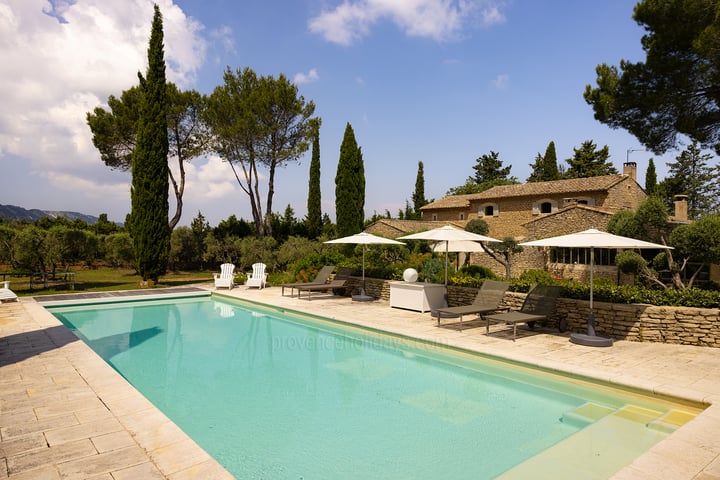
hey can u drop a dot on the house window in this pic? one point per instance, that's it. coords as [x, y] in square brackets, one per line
[461, 216]
[544, 206]
[602, 256]
[488, 210]
[434, 217]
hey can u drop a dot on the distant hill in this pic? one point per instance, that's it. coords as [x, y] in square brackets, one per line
[11, 212]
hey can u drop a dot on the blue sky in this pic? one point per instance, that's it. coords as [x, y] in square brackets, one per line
[437, 81]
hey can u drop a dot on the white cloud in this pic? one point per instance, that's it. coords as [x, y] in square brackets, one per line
[502, 81]
[440, 20]
[311, 76]
[59, 63]
[210, 180]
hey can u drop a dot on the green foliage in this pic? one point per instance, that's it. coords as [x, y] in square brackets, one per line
[588, 161]
[545, 168]
[233, 227]
[699, 241]
[674, 91]
[418, 197]
[651, 178]
[690, 175]
[349, 187]
[432, 270]
[259, 122]
[118, 249]
[314, 202]
[149, 191]
[540, 277]
[477, 225]
[186, 250]
[629, 261]
[647, 223]
[489, 173]
[471, 276]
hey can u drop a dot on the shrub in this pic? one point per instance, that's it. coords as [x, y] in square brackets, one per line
[537, 276]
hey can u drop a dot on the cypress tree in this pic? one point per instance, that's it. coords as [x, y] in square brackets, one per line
[314, 206]
[418, 197]
[149, 191]
[650, 178]
[350, 187]
[550, 166]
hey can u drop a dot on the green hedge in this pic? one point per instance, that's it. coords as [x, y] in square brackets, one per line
[603, 292]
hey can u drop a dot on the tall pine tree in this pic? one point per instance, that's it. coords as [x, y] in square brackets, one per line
[350, 187]
[588, 161]
[691, 175]
[314, 203]
[149, 191]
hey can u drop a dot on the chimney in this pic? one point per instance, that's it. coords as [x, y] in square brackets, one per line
[681, 208]
[630, 169]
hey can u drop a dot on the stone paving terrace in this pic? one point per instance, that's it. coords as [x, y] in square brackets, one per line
[66, 414]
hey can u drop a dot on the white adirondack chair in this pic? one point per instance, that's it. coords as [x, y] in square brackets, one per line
[257, 277]
[7, 295]
[225, 277]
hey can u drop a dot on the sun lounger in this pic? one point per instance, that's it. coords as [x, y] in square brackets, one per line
[539, 304]
[321, 278]
[338, 282]
[488, 300]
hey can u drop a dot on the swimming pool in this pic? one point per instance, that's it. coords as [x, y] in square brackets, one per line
[274, 395]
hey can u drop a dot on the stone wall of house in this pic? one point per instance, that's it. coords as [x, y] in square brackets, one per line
[635, 322]
[625, 195]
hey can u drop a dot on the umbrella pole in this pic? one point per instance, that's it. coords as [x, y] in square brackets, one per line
[362, 297]
[362, 290]
[591, 317]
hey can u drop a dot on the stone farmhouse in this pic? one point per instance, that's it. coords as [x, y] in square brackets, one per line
[539, 210]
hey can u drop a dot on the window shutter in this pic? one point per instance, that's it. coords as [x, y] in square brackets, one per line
[535, 208]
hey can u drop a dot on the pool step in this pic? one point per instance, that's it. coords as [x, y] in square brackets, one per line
[586, 414]
[597, 451]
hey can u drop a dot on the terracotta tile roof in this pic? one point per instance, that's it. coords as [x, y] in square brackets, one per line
[556, 187]
[564, 211]
[393, 227]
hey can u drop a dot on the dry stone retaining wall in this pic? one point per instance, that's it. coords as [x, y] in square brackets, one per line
[634, 322]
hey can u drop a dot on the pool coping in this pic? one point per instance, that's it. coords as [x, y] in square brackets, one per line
[159, 449]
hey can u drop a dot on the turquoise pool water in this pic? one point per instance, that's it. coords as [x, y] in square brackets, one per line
[277, 395]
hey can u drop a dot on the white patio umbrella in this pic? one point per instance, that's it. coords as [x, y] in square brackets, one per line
[457, 246]
[592, 239]
[462, 247]
[364, 239]
[446, 235]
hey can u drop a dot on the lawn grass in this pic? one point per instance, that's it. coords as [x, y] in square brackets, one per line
[105, 279]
